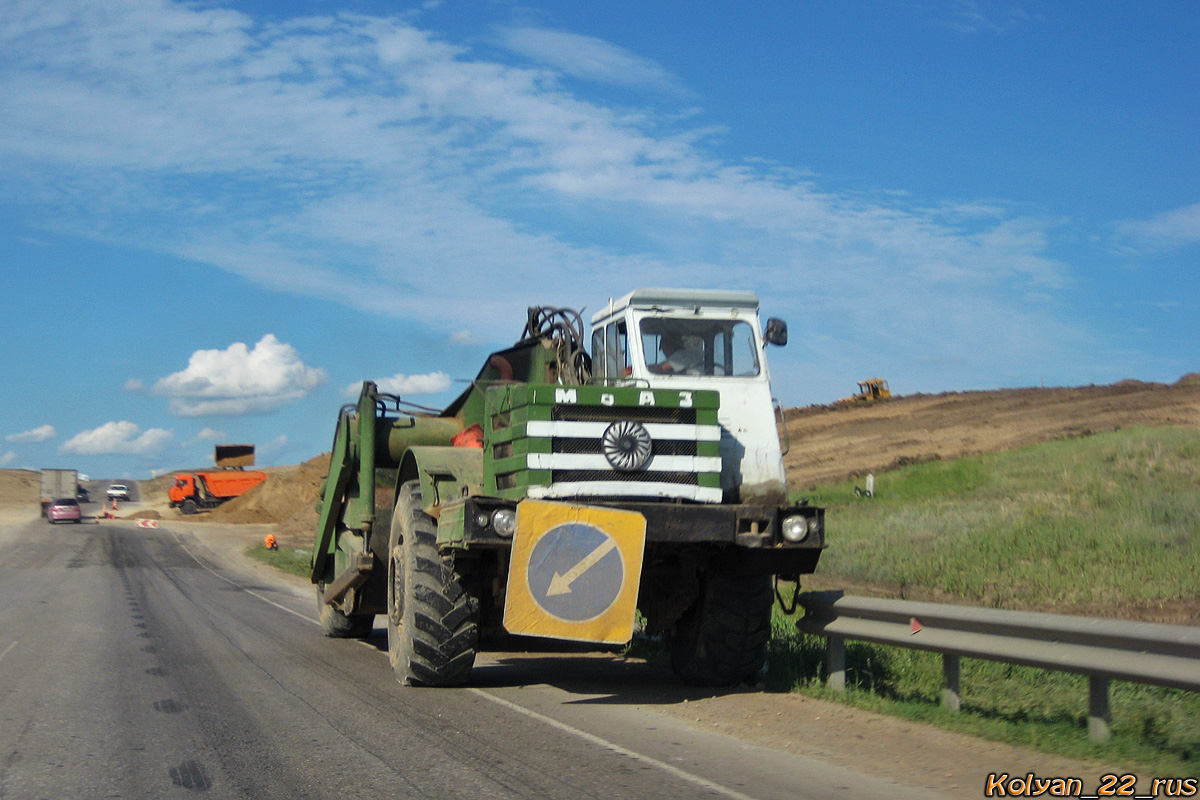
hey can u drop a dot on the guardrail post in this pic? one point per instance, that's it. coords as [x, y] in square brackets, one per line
[951, 699]
[835, 662]
[1099, 717]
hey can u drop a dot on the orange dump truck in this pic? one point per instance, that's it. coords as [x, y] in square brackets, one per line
[193, 491]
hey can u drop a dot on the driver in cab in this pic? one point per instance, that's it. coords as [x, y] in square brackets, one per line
[681, 356]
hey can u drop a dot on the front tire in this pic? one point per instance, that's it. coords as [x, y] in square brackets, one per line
[189, 506]
[722, 639]
[433, 615]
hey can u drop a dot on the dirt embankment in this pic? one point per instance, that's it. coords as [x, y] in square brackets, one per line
[286, 499]
[18, 492]
[838, 442]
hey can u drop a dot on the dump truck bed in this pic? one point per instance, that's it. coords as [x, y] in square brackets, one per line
[231, 483]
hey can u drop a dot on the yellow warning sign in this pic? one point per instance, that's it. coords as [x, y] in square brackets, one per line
[574, 572]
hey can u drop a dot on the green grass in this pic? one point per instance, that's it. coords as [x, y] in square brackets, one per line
[288, 559]
[1095, 525]
[1099, 522]
[1153, 729]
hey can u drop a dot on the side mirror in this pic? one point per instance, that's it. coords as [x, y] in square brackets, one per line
[776, 332]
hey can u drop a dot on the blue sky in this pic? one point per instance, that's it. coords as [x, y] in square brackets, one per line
[217, 216]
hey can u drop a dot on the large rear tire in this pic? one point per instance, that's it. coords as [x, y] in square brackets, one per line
[722, 639]
[189, 506]
[339, 625]
[433, 613]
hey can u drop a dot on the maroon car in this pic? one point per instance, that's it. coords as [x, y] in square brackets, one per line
[65, 509]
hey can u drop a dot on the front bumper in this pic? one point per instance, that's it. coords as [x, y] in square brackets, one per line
[753, 532]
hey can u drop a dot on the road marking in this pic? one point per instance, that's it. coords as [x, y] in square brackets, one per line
[703, 783]
[696, 780]
[561, 584]
[8, 649]
[239, 586]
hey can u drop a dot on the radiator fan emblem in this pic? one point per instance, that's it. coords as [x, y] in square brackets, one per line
[626, 445]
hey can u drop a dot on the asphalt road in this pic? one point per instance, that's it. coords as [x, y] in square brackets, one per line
[131, 666]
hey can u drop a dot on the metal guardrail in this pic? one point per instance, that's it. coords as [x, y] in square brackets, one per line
[1102, 649]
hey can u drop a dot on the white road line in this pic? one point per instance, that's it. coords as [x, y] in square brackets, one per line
[236, 585]
[703, 783]
[8, 649]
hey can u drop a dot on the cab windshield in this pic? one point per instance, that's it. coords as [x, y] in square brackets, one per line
[720, 348]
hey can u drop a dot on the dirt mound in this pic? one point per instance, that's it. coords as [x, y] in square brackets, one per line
[19, 487]
[154, 492]
[146, 513]
[834, 443]
[287, 497]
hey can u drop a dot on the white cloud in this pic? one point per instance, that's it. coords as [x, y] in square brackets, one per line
[973, 16]
[7, 458]
[274, 446]
[463, 337]
[38, 434]
[415, 167]
[1165, 231]
[135, 385]
[118, 438]
[586, 57]
[240, 380]
[206, 435]
[401, 384]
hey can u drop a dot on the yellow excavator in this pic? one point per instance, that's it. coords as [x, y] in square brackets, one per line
[869, 391]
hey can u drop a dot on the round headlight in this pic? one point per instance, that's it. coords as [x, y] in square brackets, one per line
[795, 529]
[504, 522]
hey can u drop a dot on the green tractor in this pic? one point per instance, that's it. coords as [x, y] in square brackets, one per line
[565, 492]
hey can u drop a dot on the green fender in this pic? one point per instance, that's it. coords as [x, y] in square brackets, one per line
[447, 475]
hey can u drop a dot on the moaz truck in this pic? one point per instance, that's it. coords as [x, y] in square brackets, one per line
[566, 494]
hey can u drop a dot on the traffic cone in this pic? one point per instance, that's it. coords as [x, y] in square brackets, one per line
[271, 543]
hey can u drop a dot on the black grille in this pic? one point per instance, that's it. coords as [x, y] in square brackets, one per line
[573, 413]
[589, 475]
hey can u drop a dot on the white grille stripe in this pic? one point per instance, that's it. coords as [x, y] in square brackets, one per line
[597, 461]
[594, 430]
[703, 494]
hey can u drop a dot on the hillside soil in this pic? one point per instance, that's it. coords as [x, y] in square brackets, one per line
[833, 443]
